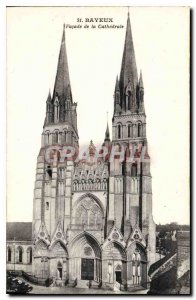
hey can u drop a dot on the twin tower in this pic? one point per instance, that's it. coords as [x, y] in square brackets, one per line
[93, 216]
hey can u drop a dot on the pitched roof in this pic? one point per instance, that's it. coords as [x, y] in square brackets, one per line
[19, 231]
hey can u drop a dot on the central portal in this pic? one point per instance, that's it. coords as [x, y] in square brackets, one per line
[87, 269]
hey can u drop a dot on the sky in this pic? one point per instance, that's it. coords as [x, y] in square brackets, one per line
[161, 41]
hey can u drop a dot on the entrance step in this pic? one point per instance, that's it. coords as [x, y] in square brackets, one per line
[95, 284]
[83, 284]
[135, 288]
[72, 283]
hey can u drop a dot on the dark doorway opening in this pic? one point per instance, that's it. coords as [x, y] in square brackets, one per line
[118, 276]
[60, 273]
[87, 269]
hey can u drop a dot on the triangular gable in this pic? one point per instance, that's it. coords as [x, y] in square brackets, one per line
[59, 234]
[42, 234]
[115, 236]
[137, 236]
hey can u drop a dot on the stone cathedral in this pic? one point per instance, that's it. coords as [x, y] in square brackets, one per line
[92, 218]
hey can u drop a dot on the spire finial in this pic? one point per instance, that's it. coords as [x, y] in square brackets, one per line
[63, 26]
[128, 12]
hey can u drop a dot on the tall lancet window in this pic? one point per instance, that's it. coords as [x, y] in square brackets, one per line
[129, 100]
[56, 110]
[134, 170]
[139, 130]
[119, 131]
[136, 265]
[130, 130]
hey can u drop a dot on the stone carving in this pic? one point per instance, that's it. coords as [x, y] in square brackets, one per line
[88, 212]
[115, 236]
[88, 251]
[59, 234]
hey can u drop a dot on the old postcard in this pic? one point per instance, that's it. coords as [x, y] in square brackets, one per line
[98, 150]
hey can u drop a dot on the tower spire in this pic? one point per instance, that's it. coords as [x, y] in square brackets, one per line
[62, 82]
[128, 74]
[107, 133]
[49, 96]
[141, 85]
[117, 84]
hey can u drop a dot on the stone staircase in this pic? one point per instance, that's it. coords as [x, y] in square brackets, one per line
[162, 266]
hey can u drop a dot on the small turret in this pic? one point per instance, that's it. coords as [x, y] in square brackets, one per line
[49, 109]
[141, 93]
[117, 106]
[107, 134]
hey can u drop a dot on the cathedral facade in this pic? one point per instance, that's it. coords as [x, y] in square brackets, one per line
[92, 217]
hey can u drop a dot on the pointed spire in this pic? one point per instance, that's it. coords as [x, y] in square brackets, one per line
[62, 81]
[141, 85]
[117, 84]
[107, 133]
[128, 72]
[49, 96]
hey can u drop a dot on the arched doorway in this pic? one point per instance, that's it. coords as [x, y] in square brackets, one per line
[85, 258]
[114, 263]
[118, 274]
[59, 271]
[59, 261]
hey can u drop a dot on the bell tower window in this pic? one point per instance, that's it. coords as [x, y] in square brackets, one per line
[134, 170]
[130, 129]
[139, 129]
[119, 131]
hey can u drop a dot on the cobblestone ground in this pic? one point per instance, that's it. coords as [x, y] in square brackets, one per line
[80, 291]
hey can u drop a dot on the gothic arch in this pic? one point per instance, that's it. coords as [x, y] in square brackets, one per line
[59, 248]
[62, 244]
[85, 238]
[131, 247]
[112, 247]
[88, 212]
[86, 195]
[85, 251]
[41, 248]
